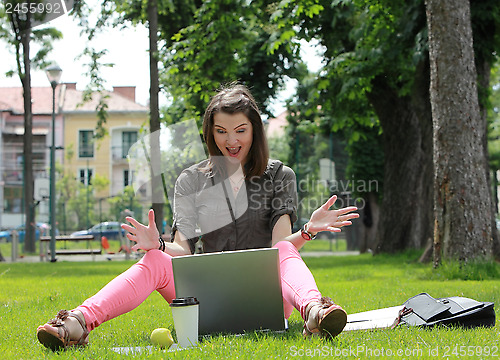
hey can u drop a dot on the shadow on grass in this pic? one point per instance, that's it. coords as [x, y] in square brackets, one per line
[294, 331]
[325, 262]
[476, 270]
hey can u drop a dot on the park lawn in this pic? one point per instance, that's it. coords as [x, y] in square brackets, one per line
[336, 245]
[32, 293]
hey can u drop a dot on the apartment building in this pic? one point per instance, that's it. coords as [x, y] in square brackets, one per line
[75, 126]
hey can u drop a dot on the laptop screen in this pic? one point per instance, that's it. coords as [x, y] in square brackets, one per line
[238, 291]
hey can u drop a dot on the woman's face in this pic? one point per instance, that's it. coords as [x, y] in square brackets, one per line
[233, 135]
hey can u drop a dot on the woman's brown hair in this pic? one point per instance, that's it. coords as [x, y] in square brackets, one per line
[233, 99]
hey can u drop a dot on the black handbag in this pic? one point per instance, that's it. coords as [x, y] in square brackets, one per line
[425, 311]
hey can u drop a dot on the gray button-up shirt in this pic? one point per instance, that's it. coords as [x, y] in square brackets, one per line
[205, 207]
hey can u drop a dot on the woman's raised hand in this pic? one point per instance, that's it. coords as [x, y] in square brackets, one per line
[324, 219]
[145, 237]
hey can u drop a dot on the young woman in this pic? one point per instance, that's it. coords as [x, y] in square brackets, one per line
[238, 199]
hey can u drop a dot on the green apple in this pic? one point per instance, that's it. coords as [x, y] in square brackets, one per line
[162, 338]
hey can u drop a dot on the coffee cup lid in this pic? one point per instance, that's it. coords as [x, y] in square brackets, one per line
[185, 301]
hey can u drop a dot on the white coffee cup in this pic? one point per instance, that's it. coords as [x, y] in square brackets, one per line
[185, 313]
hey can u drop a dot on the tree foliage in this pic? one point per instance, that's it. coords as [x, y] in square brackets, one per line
[124, 201]
[226, 42]
[362, 40]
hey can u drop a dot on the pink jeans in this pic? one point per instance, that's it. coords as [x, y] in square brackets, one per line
[154, 272]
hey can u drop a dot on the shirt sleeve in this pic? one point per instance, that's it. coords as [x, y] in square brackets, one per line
[285, 195]
[184, 209]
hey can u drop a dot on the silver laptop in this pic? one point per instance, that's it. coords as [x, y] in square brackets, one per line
[238, 291]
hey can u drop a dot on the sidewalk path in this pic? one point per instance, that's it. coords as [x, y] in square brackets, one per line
[327, 253]
[75, 258]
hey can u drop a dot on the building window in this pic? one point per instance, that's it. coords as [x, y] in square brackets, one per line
[86, 144]
[129, 138]
[127, 179]
[85, 176]
[13, 197]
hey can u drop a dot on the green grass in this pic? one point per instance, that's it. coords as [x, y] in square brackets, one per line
[335, 245]
[32, 293]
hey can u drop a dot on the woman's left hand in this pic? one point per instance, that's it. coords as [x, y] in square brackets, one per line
[324, 219]
[145, 237]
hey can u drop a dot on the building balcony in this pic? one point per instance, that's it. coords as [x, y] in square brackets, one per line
[119, 155]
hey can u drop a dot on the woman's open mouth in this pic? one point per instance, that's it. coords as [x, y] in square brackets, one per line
[233, 151]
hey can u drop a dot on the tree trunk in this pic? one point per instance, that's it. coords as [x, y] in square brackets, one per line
[154, 120]
[406, 210]
[28, 182]
[462, 198]
[370, 216]
[484, 72]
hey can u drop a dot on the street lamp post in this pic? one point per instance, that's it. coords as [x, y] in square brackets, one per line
[54, 73]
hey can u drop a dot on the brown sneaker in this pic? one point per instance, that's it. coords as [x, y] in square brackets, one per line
[324, 318]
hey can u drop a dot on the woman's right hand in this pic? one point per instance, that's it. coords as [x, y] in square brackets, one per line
[145, 237]
[324, 219]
